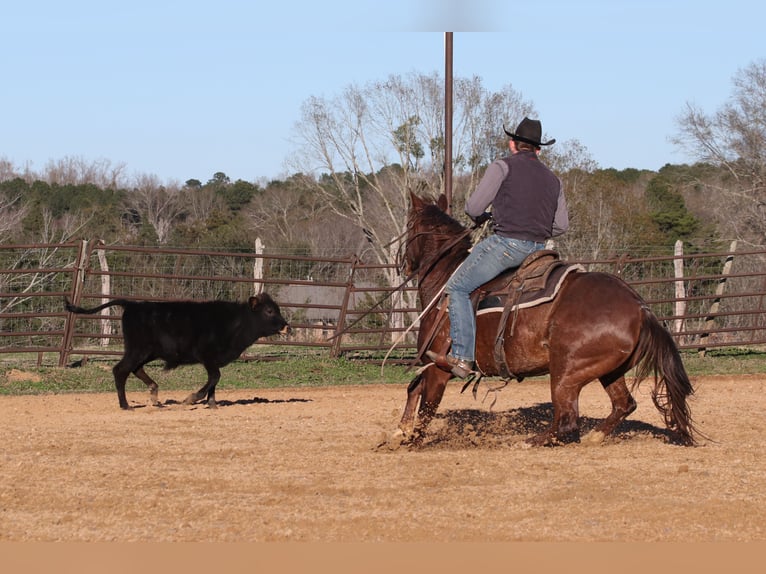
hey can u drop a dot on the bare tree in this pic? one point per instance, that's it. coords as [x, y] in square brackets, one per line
[7, 170]
[62, 229]
[284, 211]
[607, 216]
[12, 212]
[76, 171]
[734, 139]
[200, 202]
[159, 205]
[364, 150]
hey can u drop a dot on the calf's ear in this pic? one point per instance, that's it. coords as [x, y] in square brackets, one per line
[254, 301]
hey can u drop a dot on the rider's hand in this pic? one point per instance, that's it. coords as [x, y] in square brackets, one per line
[482, 218]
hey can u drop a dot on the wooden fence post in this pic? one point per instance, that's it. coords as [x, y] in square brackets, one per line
[258, 267]
[77, 283]
[335, 350]
[680, 303]
[106, 291]
[710, 321]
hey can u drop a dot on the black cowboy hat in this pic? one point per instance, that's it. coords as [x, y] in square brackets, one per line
[529, 131]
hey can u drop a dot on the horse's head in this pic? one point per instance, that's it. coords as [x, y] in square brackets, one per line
[429, 229]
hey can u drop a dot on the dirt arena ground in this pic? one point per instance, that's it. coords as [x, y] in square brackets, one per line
[306, 464]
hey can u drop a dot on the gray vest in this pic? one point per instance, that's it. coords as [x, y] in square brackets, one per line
[526, 202]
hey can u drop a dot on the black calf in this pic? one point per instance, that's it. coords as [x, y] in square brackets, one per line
[212, 333]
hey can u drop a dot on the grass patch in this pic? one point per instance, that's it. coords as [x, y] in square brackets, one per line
[730, 361]
[96, 374]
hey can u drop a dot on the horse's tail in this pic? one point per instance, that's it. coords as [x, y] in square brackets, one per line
[81, 310]
[658, 356]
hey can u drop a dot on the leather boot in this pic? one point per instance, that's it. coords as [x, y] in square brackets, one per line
[457, 367]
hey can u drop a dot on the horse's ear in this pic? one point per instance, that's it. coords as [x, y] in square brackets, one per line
[415, 200]
[442, 202]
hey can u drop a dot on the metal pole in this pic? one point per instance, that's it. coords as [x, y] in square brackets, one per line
[448, 119]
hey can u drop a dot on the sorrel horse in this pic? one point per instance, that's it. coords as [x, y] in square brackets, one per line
[597, 327]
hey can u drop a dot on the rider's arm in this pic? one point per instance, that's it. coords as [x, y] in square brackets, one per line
[485, 192]
[561, 217]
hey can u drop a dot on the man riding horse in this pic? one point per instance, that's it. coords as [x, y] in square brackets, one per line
[528, 207]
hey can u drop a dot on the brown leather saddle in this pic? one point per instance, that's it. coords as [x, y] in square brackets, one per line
[536, 281]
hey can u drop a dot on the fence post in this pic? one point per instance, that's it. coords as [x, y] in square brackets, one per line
[710, 321]
[258, 267]
[77, 283]
[680, 304]
[106, 291]
[335, 350]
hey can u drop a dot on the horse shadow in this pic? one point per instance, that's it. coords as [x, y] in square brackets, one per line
[460, 428]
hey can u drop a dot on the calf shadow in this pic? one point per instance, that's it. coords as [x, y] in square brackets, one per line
[259, 400]
[461, 428]
[228, 403]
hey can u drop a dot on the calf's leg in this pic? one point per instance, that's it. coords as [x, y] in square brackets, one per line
[213, 376]
[121, 371]
[149, 382]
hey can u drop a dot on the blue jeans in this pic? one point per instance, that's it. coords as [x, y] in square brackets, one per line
[487, 260]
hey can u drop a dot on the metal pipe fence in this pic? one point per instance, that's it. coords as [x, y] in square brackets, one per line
[719, 299]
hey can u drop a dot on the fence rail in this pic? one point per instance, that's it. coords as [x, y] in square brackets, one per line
[706, 300]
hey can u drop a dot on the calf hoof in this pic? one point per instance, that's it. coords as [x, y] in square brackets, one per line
[191, 399]
[211, 404]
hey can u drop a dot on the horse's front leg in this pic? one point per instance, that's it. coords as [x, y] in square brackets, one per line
[434, 383]
[425, 392]
[414, 390]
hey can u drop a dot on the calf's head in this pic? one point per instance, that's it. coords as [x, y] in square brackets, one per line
[267, 316]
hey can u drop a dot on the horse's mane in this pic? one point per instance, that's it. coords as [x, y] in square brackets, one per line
[438, 221]
[435, 218]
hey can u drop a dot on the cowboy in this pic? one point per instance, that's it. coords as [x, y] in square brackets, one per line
[528, 207]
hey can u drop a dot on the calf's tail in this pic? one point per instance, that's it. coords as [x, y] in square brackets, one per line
[81, 310]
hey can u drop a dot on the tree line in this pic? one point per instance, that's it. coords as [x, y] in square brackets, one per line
[359, 154]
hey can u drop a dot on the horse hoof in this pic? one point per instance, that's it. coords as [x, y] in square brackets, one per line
[543, 440]
[594, 437]
[391, 442]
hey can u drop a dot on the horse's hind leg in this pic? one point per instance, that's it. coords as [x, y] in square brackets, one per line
[623, 404]
[565, 427]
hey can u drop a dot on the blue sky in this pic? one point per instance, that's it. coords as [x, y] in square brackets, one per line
[184, 89]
